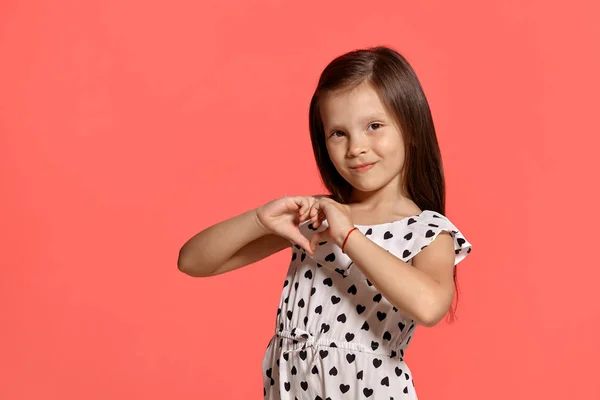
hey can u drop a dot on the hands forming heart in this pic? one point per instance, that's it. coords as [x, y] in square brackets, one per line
[282, 217]
[339, 221]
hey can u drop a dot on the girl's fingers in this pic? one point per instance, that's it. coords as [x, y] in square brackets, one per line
[300, 203]
[305, 209]
[315, 220]
[309, 203]
[305, 206]
[302, 241]
[317, 215]
[308, 211]
[314, 210]
[297, 201]
[309, 208]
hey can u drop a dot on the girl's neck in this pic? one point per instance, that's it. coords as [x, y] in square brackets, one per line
[382, 210]
[387, 197]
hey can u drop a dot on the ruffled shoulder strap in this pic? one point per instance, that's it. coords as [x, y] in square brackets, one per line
[428, 225]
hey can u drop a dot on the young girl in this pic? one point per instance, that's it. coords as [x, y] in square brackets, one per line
[369, 262]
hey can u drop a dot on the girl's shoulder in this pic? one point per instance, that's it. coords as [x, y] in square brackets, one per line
[409, 236]
[429, 224]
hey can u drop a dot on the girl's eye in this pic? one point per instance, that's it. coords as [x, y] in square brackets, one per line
[336, 132]
[375, 125]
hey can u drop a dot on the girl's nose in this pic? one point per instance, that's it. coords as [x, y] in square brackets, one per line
[357, 144]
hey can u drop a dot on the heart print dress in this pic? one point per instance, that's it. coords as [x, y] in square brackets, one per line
[336, 337]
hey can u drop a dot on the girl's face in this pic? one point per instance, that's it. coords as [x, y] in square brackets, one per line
[358, 131]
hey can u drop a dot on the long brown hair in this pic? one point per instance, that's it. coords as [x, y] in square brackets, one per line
[396, 83]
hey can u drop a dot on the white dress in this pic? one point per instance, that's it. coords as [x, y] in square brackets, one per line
[336, 336]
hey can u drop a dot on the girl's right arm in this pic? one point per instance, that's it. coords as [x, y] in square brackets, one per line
[229, 245]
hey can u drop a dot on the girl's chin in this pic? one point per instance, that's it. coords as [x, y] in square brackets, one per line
[364, 186]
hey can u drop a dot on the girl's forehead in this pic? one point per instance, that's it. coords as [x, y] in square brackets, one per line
[361, 101]
[363, 91]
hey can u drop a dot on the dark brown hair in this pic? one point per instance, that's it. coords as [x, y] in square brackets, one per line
[396, 83]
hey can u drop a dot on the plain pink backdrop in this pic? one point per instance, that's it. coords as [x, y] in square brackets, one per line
[128, 126]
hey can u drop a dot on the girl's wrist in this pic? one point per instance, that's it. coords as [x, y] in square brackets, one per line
[258, 223]
[344, 241]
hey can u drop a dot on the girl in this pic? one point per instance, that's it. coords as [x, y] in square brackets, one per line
[370, 261]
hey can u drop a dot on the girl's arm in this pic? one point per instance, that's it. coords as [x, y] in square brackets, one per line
[229, 245]
[424, 290]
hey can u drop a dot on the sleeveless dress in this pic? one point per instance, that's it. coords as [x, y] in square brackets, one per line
[336, 337]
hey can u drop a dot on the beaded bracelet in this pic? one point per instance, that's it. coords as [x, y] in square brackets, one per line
[345, 240]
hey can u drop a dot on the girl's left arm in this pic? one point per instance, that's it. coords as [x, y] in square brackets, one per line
[423, 290]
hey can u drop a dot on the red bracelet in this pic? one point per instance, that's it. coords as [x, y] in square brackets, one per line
[345, 240]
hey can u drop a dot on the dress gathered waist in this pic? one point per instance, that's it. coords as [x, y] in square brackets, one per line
[300, 339]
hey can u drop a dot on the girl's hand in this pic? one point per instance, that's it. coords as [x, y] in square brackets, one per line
[282, 217]
[339, 221]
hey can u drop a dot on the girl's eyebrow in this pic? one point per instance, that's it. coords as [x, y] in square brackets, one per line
[366, 118]
[374, 116]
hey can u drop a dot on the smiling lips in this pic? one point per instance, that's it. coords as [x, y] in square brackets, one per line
[363, 167]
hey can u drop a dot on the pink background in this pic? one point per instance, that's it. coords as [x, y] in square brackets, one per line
[128, 126]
